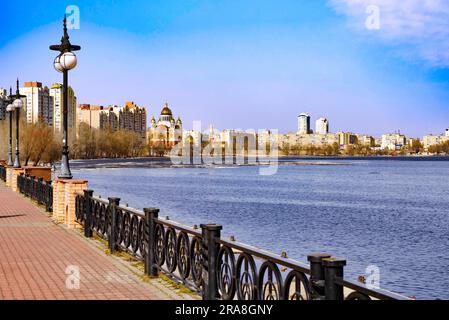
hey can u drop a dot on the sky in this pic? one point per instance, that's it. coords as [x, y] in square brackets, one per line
[369, 66]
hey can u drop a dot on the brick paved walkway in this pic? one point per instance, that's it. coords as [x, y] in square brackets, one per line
[35, 253]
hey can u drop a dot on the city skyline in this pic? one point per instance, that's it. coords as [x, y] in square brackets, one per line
[320, 123]
[265, 66]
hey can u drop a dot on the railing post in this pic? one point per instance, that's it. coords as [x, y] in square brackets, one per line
[317, 274]
[24, 184]
[50, 196]
[40, 198]
[113, 203]
[33, 192]
[88, 213]
[45, 196]
[149, 232]
[333, 269]
[210, 247]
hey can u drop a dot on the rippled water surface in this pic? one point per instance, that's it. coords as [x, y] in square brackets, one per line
[394, 214]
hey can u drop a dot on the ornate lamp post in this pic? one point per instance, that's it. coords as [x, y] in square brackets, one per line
[17, 105]
[10, 109]
[64, 62]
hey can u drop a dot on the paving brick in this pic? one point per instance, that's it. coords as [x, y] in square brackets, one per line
[35, 252]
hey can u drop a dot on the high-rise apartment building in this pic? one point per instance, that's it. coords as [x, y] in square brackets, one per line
[109, 117]
[130, 117]
[39, 103]
[56, 93]
[89, 115]
[133, 118]
[304, 123]
[322, 126]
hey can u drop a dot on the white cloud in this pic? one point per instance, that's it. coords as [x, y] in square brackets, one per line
[422, 25]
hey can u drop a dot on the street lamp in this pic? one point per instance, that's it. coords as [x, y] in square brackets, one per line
[17, 105]
[64, 62]
[10, 109]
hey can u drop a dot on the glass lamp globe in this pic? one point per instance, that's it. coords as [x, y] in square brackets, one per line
[18, 104]
[57, 64]
[9, 108]
[68, 60]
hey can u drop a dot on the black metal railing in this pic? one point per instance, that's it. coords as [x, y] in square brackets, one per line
[36, 189]
[3, 173]
[216, 268]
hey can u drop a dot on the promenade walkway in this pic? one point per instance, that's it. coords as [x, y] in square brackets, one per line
[36, 253]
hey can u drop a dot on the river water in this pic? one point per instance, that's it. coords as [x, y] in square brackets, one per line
[392, 214]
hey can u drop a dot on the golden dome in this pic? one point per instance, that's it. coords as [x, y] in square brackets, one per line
[166, 110]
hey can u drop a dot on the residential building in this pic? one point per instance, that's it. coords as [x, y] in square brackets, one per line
[322, 126]
[365, 140]
[238, 142]
[89, 115]
[346, 138]
[304, 123]
[431, 139]
[129, 117]
[109, 117]
[133, 118]
[56, 91]
[393, 141]
[313, 139]
[39, 103]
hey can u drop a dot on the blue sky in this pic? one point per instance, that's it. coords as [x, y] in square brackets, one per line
[247, 64]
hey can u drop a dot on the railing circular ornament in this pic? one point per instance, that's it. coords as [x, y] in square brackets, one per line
[142, 242]
[170, 249]
[159, 240]
[126, 230]
[299, 283]
[246, 277]
[134, 233]
[119, 226]
[196, 261]
[183, 255]
[271, 287]
[357, 296]
[226, 273]
[102, 220]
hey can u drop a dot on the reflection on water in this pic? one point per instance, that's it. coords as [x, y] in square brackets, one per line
[393, 214]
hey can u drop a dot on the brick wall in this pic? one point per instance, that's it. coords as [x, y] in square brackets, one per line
[64, 195]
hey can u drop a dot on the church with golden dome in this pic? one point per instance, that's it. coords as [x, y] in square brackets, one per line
[165, 132]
